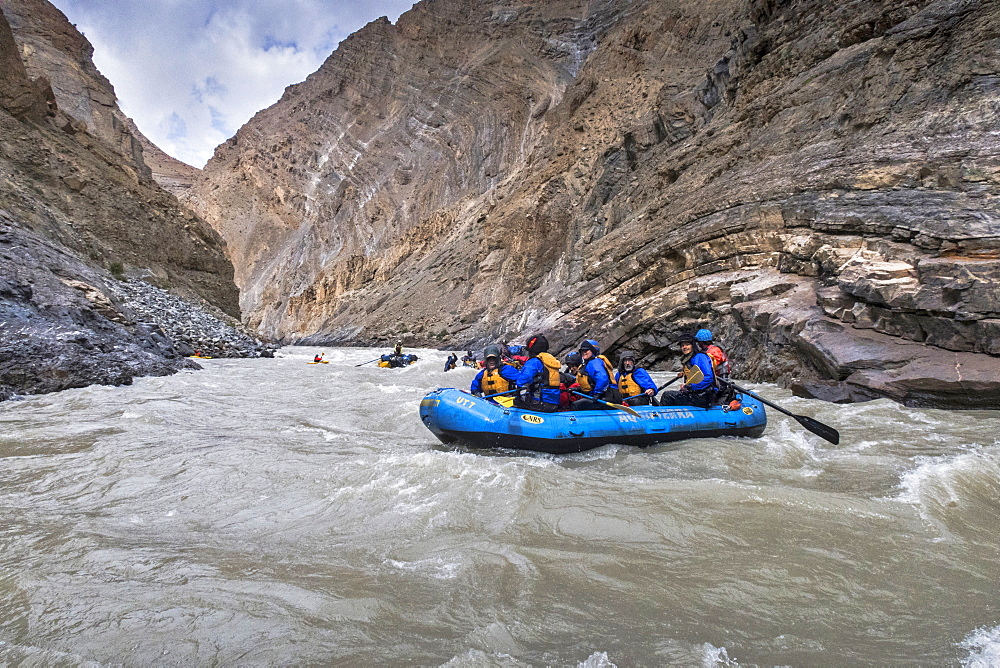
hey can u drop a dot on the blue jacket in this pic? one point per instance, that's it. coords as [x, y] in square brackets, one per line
[507, 371]
[530, 373]
[598, 375]
[703, 362]
[641, 377]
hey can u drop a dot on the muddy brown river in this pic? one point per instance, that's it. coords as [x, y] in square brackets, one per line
[270, 512]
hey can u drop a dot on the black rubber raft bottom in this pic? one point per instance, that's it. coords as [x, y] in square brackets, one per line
[565, 446]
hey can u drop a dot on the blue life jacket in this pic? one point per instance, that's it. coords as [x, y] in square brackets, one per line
[536, 373]
[703, 362]
[597, 373]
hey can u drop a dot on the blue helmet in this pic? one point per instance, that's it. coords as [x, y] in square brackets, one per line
[703, 335]
[592, 345]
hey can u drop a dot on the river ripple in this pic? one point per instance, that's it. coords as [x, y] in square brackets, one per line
[269, 512]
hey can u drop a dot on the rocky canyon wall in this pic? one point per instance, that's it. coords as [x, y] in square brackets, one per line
[816, 182]
[79, 213]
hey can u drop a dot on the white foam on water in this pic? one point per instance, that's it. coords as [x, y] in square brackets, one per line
[392, 389]
[942, 476]
[983, 646]
[417, 508]
[597, 660]
[940, 485]
[435, 567]
[786, 435]
[29, 655]
[716, 656]
[595, 455]
[475, 658]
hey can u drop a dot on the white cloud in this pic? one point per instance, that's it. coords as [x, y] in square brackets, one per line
[191, 72]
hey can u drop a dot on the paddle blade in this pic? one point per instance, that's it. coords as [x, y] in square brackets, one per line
[815, 426]
[818, 428]
[694, 375]
[624, 408]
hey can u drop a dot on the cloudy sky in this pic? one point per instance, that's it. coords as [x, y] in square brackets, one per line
[191, 72]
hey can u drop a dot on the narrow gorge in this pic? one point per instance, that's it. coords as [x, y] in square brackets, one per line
[817, 183]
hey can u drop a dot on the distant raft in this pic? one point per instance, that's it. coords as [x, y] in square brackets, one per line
[456, 417]
[393, 361]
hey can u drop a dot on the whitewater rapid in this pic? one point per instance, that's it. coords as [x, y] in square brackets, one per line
[272, 512]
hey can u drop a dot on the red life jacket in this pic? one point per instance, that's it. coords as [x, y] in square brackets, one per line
[720, 360]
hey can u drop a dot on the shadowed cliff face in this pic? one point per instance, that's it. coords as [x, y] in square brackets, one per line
[816, 182]
[78, 209]
[53, 49]
[75, 173]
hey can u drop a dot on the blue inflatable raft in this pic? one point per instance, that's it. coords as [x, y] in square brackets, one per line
[454, 416]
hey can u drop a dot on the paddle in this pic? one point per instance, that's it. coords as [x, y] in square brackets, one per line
[369, 361]
[667, 384]
[498, 394]
[607, 403]
[696, 376]
[815, 426]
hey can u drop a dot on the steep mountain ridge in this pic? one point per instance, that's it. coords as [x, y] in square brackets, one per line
[817, 182]
[87, 186]
[298, 173]
[53, 49]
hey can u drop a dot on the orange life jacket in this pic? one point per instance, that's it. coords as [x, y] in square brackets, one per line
[628, 386]
[720, 361]
[493, 383]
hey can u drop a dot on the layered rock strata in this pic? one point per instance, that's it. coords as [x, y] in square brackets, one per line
[816, 182]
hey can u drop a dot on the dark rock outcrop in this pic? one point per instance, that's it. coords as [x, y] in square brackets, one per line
[64, 324]
[790, 174]
[59, 328]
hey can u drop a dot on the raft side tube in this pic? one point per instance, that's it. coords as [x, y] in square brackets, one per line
[452, 416]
